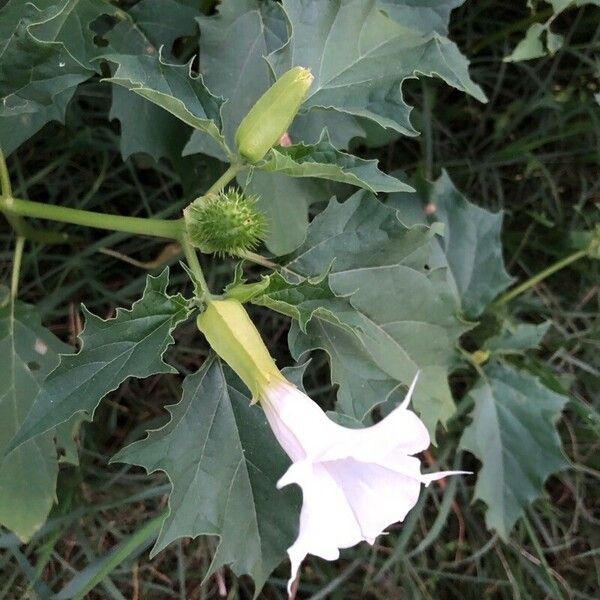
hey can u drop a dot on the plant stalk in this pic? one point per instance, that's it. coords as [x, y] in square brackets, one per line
[16, 270]
[523, 287]
[15, 222]
[170, 229]
[202, 289]
[222, 181]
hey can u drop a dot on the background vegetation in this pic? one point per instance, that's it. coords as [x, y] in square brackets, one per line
[533, 151]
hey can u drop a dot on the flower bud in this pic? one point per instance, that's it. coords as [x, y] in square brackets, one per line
[272, 114]
[227, 223]
[232, 335]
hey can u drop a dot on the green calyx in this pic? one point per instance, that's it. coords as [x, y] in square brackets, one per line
[232, 335]
[225, 223]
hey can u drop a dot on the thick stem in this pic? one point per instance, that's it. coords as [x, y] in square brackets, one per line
[14, 281]
[557, 266]
[170, 229]
[220, 183]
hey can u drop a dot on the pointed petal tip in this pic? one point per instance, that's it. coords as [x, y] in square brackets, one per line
[427, 478]
[411, 389]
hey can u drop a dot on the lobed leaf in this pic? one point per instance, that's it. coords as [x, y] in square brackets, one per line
[28, 473]
[302, 300]
[70, 24]
[422, 15]
[148, 26]
[173, 88]
[360, 57]
[223, 462]
[471, 242]
[515, 338]
[37, 77]
[373, 258]
[129, 345]
[324, 161]
[513, 433]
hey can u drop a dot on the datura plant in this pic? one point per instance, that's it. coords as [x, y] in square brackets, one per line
[397, 298]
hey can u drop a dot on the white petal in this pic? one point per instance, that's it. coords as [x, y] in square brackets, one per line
[427, 478]
[411, 467]
[304, 430]
[400, 431]
[378, 496]
[300, 426]
[327, 521]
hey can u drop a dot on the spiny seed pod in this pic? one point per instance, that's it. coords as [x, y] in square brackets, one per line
[227, 223]
[272, 114]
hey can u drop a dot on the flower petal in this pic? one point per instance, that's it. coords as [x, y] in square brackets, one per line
[378, 496]
[427, 478]
[300, 426]
[327, 521]
[305, 431]
[411, 467]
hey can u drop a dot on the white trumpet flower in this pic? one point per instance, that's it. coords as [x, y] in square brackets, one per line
[355, 482]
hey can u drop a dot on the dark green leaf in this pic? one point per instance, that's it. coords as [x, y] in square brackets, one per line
[405, 312]
[471, 242]
[173, 88]
[233, 44]
[148, 26]
[322, 160]
[37, 78]
[70, 25]
[515, 338]
[129, 345]
[284, 201]
[360, 57]
[422, 15]
[223, 462]
[513, 434]
[28, 473]
[302, 301]
[342, 127]
[146, 127]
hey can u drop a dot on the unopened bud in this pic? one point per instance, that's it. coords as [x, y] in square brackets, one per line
[272, 114]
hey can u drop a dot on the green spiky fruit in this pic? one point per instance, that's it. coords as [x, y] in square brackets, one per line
[225, 223]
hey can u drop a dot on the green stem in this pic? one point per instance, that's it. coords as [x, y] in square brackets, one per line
[14, 281]
[170, 229]
[4, 177]
[202, 290]
[5, 187]
[21, 228]
[260, 260]
[557, 266]
[220, 183]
